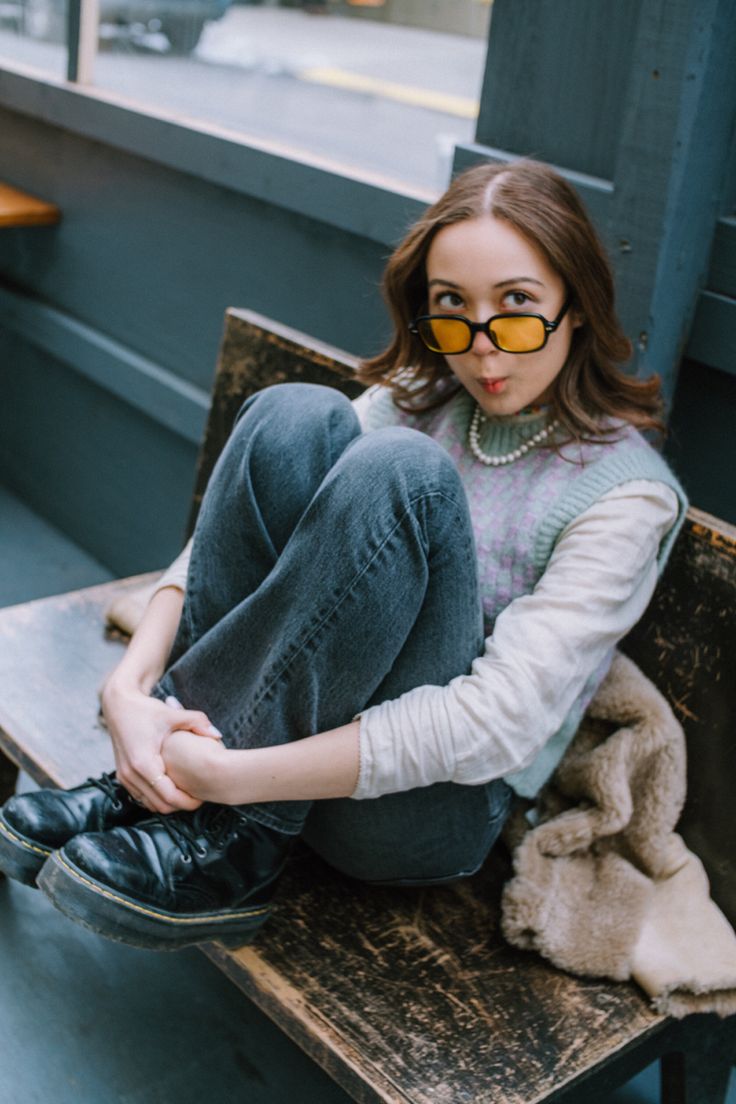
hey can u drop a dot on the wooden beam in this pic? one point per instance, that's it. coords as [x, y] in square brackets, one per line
[20, 209]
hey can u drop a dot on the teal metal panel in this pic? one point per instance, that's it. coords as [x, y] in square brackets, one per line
[172, 402]
[38, 560]
[595, 192]
[362, 203]
[554, 79]
[671, 169]
[112, 479]
[722, 271]
[124, 301]
[713, 336]
[151, 258]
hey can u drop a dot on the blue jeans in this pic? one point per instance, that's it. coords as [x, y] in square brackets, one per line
[332, 570]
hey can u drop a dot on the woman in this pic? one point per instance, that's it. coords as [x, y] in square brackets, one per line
[393, 613]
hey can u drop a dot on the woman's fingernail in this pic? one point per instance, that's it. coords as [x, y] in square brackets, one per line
[173, 702]
[214, 731]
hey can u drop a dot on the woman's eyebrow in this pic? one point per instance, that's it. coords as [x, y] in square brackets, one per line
[519, 280]
[445, 283]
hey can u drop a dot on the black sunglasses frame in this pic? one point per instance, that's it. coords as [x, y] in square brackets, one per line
[485, 327]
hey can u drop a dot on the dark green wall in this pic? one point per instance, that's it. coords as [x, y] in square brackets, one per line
[107, 475]
[149, 258]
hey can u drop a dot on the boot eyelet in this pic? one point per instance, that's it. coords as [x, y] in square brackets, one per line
[201, 853]
[117, 805]
[186, 858]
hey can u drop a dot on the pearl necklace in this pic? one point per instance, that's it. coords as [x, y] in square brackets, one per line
[507, 457]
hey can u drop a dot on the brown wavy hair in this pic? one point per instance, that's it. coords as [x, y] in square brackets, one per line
[546, 210]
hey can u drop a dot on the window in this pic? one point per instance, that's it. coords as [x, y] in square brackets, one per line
[382, 89]
[33, 34]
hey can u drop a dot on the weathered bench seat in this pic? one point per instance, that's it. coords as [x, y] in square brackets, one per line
[411, 995]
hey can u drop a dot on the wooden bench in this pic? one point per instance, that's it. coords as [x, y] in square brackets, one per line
[411, 995]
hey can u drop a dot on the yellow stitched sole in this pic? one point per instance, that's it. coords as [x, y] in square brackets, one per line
[10, 834]
[167, 917]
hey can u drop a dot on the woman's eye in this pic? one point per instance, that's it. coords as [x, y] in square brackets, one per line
[449, 300]
[516, 299]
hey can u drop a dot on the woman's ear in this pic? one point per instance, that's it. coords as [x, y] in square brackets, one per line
[576, 318]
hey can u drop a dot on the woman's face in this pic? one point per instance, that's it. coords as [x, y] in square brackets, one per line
[483, 267]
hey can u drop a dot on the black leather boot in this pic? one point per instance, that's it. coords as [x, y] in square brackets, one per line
[172, 880]
[33, 825]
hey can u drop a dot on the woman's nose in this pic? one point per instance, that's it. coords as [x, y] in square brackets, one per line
[482, 343]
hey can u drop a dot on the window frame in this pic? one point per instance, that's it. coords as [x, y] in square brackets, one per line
[365, 203]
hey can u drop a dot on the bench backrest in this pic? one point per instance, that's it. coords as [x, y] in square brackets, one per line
[256, 353]
[686, 642]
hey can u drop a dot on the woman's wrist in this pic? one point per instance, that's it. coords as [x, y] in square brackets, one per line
[124, 682]
[316, 767]
[320, 766]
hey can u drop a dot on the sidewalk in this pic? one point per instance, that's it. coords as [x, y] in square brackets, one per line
[373, 99]
[442, 72]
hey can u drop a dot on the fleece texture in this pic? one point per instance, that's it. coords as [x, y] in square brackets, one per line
[603, 886]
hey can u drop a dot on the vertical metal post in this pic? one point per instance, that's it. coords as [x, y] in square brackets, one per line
[82, 30]
[671, 171]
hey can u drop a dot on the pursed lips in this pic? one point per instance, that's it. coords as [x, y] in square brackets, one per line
[493, 385]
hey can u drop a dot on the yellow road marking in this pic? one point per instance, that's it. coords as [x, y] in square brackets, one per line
[462, 106]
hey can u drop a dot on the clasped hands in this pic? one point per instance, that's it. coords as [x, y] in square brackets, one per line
[165, 755]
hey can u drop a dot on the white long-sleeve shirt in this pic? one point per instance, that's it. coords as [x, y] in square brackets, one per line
[543, 648]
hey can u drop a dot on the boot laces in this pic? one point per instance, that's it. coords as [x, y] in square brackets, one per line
[213, 823]
[110, 788]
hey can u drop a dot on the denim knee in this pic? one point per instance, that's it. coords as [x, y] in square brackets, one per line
[295, 408]
[405, 458]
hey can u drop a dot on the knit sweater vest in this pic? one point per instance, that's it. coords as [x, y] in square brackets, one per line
[519, 511]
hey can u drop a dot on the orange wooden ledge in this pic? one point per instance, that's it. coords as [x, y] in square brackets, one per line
[20, 209]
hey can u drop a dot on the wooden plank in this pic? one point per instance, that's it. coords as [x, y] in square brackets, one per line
[411, 995]
[54, 656]
[98, 469]
[368, 205]
[20, 209]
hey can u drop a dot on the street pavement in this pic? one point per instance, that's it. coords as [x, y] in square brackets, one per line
[444, 70]
[371, 98]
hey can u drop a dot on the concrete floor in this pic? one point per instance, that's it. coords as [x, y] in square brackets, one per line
[86, 1021]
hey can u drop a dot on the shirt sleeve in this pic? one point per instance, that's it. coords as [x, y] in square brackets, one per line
[544, 646]
[176, 574]
[363, 404]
